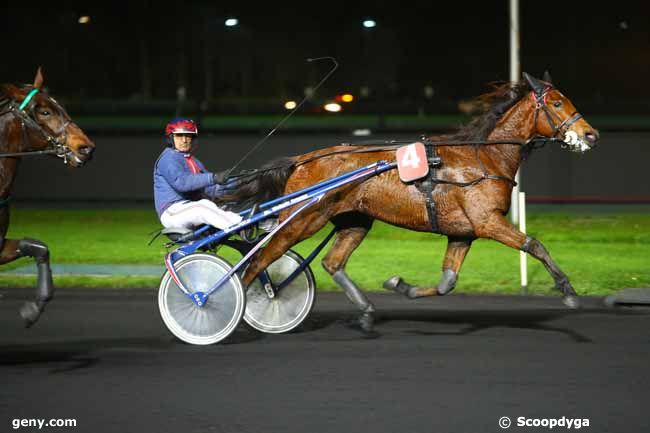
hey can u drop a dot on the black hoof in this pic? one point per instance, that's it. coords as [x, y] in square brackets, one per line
[366, 324]
[30, 312]
[571, 301]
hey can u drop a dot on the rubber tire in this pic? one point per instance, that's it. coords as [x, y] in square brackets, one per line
[290, 307]
[223, 310]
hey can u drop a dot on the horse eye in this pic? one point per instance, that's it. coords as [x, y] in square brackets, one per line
[44, 113]
[557, 104]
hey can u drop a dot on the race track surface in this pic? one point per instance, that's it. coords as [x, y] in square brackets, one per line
[455, 364]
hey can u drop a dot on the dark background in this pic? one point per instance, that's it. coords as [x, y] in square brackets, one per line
[132, 58]
[144, 50]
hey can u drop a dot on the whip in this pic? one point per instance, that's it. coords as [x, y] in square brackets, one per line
[296, 108]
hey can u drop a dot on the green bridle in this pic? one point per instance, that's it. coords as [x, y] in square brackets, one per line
[28, 98]
[58, 148]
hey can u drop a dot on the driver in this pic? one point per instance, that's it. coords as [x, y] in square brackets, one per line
[182, 186]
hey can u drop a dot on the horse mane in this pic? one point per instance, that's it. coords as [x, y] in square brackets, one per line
[492, 106]
[7, 89]
[255, 186]
[4, 90]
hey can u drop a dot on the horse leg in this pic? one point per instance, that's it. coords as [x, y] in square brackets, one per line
[457, 249]
[499, 229]
[351, 229]
[13, 249]
[297, 230]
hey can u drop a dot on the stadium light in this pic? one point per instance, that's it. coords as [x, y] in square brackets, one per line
[84, 19]
[231, 22]
[290, 105]
[369, 24]
[344, 97]
[332, 107]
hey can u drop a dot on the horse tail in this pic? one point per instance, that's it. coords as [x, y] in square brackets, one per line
[259, 185]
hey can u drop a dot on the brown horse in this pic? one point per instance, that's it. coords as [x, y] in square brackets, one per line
[472, 190]
[33, 123]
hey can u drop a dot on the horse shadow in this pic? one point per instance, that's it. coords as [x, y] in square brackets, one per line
[464, 322]
[471, 322]
[65, 360]
[65, 357]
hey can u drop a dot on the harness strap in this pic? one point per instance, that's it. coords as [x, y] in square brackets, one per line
[5, 101]
[570, 120]
[427, 185]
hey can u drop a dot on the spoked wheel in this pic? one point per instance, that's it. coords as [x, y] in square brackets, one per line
[291, 305]
[220, 314]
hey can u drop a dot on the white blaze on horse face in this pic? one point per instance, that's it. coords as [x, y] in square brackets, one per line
[574, 142]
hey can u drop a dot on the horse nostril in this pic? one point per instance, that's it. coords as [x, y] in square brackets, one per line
[86, 150]
[592, 138]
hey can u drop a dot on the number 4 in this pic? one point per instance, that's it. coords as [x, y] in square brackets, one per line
[410, 157]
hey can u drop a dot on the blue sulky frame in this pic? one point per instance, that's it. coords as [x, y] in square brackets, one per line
[305, 198]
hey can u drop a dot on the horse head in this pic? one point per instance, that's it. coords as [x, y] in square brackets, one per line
[560, 118]
[48, 125]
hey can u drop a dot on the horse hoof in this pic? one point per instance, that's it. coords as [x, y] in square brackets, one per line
[30, 313]
[367, 322]
[364, 323]
[392, 283]
[571, 301]
[398, 285]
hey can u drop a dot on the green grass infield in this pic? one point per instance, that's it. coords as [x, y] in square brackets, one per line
[601, 252]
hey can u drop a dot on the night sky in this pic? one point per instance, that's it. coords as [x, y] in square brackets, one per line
[598, 54]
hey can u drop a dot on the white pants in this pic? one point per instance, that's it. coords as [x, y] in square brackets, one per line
[188, 214]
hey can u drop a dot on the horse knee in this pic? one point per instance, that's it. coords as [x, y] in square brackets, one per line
[34, 248]
[329, 266]
[530, 245]
[533, 247]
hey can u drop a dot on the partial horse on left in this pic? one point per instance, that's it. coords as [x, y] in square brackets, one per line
[34, 123]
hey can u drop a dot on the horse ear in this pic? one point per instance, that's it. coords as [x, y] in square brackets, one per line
[38, 79]
[535, 84]
[547, 77]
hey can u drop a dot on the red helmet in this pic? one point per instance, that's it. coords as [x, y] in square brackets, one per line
[180, 125]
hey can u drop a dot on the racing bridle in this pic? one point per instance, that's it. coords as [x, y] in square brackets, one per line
[57, 140]
[559, 127]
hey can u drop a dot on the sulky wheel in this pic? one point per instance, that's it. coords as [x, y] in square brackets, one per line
[220, 314]
[290, 306]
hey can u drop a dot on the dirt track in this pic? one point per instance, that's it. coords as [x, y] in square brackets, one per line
[454, 364]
